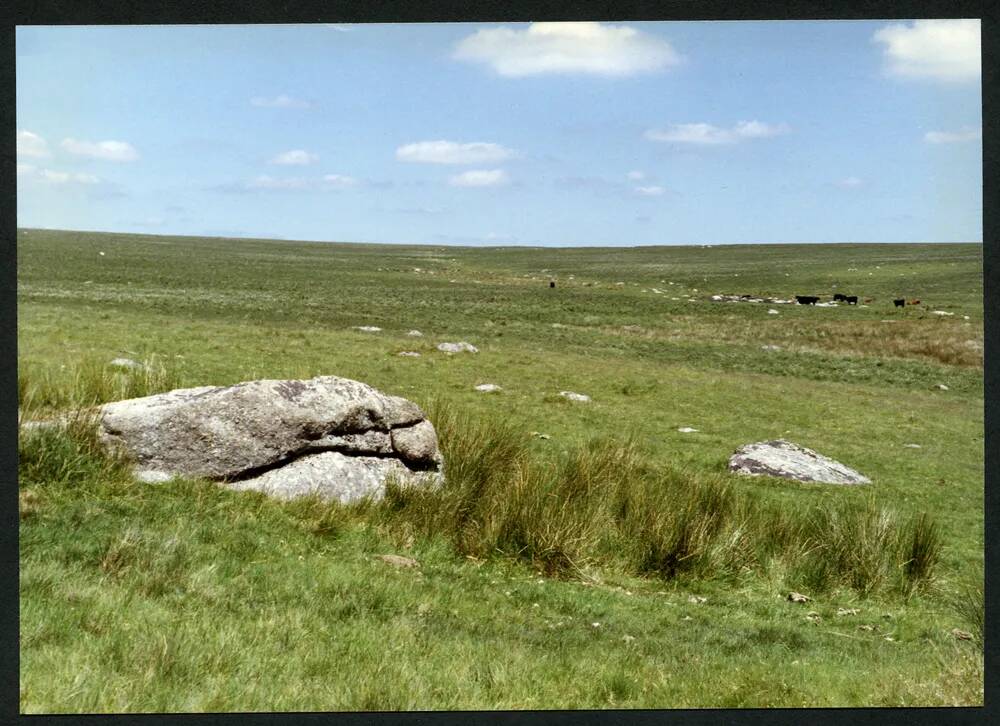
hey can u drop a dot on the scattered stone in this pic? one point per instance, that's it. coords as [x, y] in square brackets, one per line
[867, 628]
[770, 347]
[398, 561]
[687, 617]
[911, 446]
[101, 254]
[965, 317]
[539, 435]
[798, 597]
[813, 617]
[126, 363]
[843, 612]
[628, 638]
[595, 625]
[781, 458]
[961, 634]
[579, 397]
[687, 430]
[697, 599]
[461, 347]
[409, 354]
[488, 387]
[368, 328]
[333, 437]
[415, 334]
[942, 387]
[772, 311]
[941, 312]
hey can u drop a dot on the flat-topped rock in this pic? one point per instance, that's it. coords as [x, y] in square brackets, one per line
[784, 459]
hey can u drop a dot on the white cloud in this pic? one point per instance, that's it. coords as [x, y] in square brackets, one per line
[338, 181]
[951, 137]
[453, 152]
[65, 177]
[636, 175]
[702, 133]
[281, 101]
[580, 47]
[29, 144]
[947, 50]
[480, 178]
[106, 150]
[850, 182]
[296, 157]
[268, 182]
[654, 191]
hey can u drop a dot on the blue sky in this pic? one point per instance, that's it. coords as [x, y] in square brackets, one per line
[610, 134]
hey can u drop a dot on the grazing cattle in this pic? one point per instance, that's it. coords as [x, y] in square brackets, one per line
[837, 296]
[899, 303]
[806, 299]
[913, 302]
[851, 299]
[552, 283]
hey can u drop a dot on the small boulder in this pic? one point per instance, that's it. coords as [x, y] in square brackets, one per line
[460, 347]
[488, 388]
[125, 364]
[784, 459]
[409, 354]
[415, 334]
[578, 397]
[368, 328]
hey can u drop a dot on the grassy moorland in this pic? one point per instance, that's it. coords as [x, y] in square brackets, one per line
[614, 564]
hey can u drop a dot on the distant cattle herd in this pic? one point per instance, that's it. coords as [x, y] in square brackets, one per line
[849, 299]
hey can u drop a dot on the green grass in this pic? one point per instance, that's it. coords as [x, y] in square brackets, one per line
[187, 597]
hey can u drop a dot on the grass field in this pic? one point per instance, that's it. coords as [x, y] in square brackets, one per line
[190, 598]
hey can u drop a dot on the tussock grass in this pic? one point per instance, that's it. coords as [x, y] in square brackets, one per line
[602, 505]
[90, 382]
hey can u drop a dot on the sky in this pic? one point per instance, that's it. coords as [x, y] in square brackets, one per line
[565, 134]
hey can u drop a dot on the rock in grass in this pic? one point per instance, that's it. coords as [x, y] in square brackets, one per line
[784, 459]
[488, 388]
[461, 347]
[798, 597]
[368, 328]
[409, 354]
[578, 397]
[415, 334]
[333, 437]
[125, 364]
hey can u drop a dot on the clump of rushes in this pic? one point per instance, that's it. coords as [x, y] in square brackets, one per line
[601, 504]
[91, 382]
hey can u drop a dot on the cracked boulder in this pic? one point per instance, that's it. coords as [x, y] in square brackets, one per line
[333, 437]
[784, 459]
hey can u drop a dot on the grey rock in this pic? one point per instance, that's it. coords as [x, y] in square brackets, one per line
[782, 458]
[408, 354]
[488, 387]
[461, 347]
[332, 475]
[578, 397]
[277, 436]
[125, 363]
[415, 334]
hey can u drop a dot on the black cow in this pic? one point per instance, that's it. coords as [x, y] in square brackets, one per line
[552, 283]
[839, 296]
[806, 299]
[851, 299]
[899, 303]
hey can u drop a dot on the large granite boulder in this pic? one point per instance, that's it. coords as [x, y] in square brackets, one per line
[784, 459]
[331, 436]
